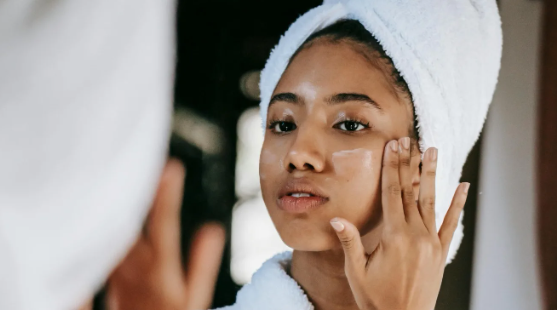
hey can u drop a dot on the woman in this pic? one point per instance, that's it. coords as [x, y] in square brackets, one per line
[332, 100]
[370, 109]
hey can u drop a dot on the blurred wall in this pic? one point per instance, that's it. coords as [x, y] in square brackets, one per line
[547, 152]
[505, 263]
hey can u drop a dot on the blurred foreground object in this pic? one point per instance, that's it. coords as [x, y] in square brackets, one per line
[151, 276]
[85, 108]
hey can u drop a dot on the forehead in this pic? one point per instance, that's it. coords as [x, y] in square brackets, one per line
[335, 68]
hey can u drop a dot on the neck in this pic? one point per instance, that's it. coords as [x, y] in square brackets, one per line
[321, 275]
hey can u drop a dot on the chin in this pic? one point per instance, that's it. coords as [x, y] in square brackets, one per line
[309, 237]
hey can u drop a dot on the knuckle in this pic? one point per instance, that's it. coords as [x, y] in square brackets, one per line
[398, 240]
[431, 173]
[347, 242]
[426, 247]
[408, 193]
[422, 243]
[428, 203]
[391, 163]
[394, 189]
[405, 161]
[394, 163]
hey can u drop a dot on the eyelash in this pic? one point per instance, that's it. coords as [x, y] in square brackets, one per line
[365, 124]
[273, 123]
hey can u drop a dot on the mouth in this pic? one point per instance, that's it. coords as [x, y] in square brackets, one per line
[300, 196]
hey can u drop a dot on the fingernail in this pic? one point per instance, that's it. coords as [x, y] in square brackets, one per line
[406, 143]
[394, 145]
[433, 154]
[466, 187]
[337, 225]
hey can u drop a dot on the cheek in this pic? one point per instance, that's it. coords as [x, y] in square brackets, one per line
[269, 164]
[271, 167]
[357, 175]
[353, 165]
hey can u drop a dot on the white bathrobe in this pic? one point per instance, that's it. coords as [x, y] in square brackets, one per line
[271, 288]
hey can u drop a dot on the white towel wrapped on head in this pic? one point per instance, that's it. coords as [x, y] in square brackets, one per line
[447, 51]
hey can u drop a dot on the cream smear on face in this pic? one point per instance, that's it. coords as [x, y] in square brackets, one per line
[349, 163]
[308, 90]
[270, 161]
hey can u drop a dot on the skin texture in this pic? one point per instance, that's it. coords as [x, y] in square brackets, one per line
[386, 253]
[325, 155]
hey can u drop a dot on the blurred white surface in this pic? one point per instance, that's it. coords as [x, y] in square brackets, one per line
[85, 106]
[254, 237]
[505, 272]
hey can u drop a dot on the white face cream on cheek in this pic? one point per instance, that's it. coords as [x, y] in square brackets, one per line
[269, 162]
[351, 163]
[267, 157]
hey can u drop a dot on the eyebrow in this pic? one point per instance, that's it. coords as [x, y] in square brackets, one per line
[287, 97]
[335, 99]
[345, 97]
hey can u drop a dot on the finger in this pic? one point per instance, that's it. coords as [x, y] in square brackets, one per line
[391, 200]
[452, 217]
[204, 264]
[88, 305]
[427, 189]
[405, 174]
[354, 253]
[164, 224]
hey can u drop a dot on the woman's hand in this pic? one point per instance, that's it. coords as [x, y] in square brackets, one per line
[405, 270]
[151, 276]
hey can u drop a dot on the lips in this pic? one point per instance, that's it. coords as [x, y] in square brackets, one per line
[300, 196]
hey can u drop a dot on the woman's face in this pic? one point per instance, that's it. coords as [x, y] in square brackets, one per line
[329, 119]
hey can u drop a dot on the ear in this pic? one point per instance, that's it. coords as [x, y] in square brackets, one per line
[416, 166]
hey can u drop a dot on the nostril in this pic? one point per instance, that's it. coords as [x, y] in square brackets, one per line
[306, 166]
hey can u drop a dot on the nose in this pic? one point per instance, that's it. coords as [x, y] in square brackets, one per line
[305, 153]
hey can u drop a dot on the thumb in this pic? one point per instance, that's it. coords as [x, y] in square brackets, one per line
[349, 236]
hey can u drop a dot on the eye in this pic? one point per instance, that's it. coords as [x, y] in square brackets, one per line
[351, 126]
[282, 127]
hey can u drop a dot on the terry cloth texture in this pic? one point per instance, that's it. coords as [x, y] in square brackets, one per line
[271, 288]
[448, 52]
